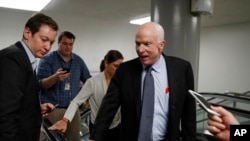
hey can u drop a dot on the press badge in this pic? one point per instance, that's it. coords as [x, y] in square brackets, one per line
[67, 86]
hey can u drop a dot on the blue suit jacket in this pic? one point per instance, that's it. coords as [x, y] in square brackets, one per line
[125, 91]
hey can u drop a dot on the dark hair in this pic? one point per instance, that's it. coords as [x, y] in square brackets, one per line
[66, 34]
[37, 20]
[110, 57]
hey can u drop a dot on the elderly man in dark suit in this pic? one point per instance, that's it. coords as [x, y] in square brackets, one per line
[173, 115]
[20, 109]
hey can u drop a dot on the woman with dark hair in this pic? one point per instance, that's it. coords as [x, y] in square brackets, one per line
[95, 89]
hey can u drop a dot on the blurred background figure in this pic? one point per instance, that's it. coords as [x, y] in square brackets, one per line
[60, 74]
[94, 90]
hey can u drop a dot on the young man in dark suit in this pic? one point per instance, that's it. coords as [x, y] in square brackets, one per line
[174, 110]
[20, 110]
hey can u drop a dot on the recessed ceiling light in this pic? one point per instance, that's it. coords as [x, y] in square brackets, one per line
[30, 5]
[141, 20]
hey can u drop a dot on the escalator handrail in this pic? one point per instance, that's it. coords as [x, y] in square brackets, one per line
[227, 97]
[53, 135]
[235, 111]
[246, 94]
[85, 113]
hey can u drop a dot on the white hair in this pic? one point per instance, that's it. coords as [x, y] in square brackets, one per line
[160, 31]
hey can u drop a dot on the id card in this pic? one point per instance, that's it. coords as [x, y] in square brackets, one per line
[67, 86]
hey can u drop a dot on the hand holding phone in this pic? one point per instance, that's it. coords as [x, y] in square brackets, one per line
[203, 102]
[66, 69]
[50, 109]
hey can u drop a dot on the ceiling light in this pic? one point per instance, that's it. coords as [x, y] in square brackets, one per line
[30, 5]
[141, 20]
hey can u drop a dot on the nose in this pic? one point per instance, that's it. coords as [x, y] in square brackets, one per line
[140, 48]
[47, 47]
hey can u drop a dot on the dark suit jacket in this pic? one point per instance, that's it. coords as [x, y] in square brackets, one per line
[20, 113]
[125, 91]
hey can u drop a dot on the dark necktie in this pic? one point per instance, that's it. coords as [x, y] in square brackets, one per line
[147, 113]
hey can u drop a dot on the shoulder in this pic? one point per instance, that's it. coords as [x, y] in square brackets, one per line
[14, 56]
[176, 60]
[13, 51]
[96, 79]
[78, 59]
[76, 56]
[50, 55]
[10, 49]
[132, 67]
[133, 62]
[178, 64]
[50, 58]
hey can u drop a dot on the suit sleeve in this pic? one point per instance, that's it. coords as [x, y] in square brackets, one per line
[107, 111]
[84, 94]
[12, 84]
[188, 121]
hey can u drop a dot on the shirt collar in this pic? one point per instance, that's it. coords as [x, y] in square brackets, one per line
[71, 55]
[31, 56]
[157, 65]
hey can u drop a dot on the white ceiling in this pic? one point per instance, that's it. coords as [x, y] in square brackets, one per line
[225, 11]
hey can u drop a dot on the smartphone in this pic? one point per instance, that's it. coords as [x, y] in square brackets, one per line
[66, 69]
[205, 105]
[49, 110]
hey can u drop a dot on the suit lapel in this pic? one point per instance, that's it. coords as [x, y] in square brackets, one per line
[137, 84]
[20, 46]
[172, 72]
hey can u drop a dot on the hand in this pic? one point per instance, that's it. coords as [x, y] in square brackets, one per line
[46, 109]
[60, 125]
[220, 126]
[61, 74]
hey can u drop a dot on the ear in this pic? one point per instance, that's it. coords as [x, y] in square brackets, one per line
[105, 63]
[26, 33]
[162, 45]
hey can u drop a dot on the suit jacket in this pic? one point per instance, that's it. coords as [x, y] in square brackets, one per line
[20, 113]
[125, 90]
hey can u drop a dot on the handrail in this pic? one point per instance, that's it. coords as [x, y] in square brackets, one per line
[236, 111]
[246, 93]
[227, 97]
[205, 137]
[55, 136]
[217, 99]
[223, 97]
[85, 113]
[85, 119]
[52, 135]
